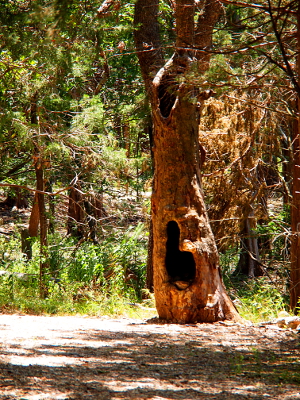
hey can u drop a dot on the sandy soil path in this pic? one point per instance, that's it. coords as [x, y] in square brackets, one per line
[100, 358]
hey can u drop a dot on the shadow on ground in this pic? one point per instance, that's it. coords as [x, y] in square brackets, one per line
[99, 364]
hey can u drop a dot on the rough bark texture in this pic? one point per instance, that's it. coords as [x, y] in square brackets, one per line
[147, 39]
[204, 32]
[187, 282]
[295, 207]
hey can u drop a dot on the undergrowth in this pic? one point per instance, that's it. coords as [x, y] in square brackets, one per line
[109, 279]
[257, 299]
[93, 279]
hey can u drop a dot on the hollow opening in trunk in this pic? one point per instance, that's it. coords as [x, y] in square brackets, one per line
[167, 96]
[180, 265]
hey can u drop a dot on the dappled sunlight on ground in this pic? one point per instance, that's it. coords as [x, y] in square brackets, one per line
[90, 358]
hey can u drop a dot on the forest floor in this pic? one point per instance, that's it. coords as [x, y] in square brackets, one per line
[71, 357]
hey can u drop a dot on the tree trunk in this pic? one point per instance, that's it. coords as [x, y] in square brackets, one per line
[295, 222]
[187, 281]
[295, 206]
[26, 244]
[40, 186]
[149, 276]
[249, 261]
[51, 208]
[21, 199]
[76, 213]
[34, 219]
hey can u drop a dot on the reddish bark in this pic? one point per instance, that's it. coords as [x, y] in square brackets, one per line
[187, 281]
[295, 206]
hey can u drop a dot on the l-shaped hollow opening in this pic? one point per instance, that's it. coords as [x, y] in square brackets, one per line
[180, 265]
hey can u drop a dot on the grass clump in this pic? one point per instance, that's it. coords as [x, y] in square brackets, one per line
[257, 299]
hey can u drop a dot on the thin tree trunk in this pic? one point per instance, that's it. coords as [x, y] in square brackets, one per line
[26, 244]
[32, 230]
[126, 136]
[34, 220]
[249, 262]
[75, 214]
[51, 209]
[40, 186]
[149, 276]
[295, 222]
[295, 206]
[91, 220]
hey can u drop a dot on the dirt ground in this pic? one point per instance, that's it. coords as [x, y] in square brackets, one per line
[100, 358]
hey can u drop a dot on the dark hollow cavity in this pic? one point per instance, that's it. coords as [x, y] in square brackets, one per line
[167, 96]
[180, 265]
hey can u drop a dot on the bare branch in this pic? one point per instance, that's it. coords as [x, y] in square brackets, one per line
[287, 69]
[104, 8]
[259, 6]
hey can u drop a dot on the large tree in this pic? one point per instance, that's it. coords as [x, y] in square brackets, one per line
[187, 281]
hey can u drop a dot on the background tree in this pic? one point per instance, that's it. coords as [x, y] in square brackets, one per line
[254, 61]
[237, 178]
[60, 118]
[276, 51]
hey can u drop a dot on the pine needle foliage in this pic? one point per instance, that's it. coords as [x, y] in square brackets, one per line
[241, 170]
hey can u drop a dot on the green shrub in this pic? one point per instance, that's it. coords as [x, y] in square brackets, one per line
[87, 278]
[259, 300]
